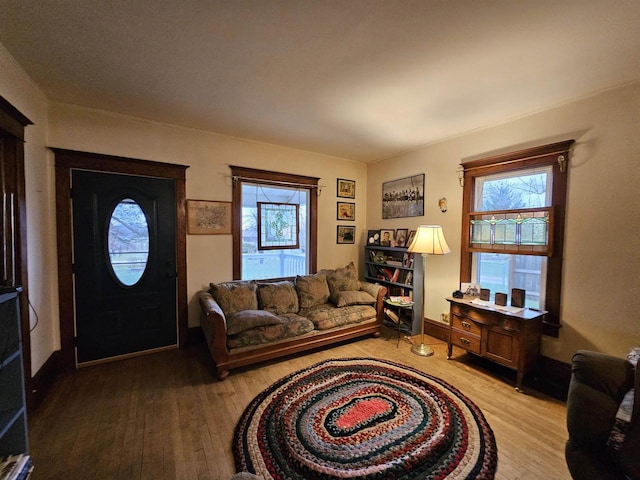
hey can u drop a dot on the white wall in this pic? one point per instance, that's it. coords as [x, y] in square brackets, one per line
[18, 89]
[209, 257]
[601, 278]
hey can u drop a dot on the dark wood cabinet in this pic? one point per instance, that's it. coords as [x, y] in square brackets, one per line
[510, 339]
[13, 411]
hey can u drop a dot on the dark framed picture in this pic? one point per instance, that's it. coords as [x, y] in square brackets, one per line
[412, 235]
[346, 211]
[346, 234]
[403, 197]
[387, 238]
[401, 237]
[346, 188]
[373, 237]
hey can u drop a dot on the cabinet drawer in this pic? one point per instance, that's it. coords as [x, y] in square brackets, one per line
[465, 325]
[481, 316]
[463, 339]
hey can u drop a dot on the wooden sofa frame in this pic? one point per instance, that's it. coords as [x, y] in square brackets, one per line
[226, 361]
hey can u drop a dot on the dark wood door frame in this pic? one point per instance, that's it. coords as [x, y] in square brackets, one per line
[14, 229]
[65, 161]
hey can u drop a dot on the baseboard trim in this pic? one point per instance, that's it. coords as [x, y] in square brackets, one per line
[436, 329]
[42, 381]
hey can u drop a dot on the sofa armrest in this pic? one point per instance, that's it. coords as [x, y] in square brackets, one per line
[378, 292]
[210, 306]
[214, 325]
[598, 384]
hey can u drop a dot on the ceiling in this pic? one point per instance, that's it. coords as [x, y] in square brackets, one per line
[360, 79]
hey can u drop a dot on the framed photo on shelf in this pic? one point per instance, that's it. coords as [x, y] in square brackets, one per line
[206, 217]
[411, 236]
[373, 237]
[346, 234]
[401, 237]
[387, 238]
[346, 188]
[346, 211]
[403, 197]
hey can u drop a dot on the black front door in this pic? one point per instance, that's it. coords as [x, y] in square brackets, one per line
[124, 246]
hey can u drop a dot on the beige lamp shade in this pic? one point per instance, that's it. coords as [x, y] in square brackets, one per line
[429, 239]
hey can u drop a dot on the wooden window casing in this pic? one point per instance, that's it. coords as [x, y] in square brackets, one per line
[555, 155]
[266, 177]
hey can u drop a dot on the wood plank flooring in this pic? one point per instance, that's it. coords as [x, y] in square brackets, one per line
[164, 416]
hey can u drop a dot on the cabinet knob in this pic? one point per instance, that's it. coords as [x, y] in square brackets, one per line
[465, 341]
[466, 325]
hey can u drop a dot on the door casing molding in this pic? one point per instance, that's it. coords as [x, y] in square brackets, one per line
[67, 160]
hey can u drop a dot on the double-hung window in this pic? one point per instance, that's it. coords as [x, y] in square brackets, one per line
[274, 224]
[513, 225]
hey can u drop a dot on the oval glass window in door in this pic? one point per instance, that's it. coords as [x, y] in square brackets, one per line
[128, 242]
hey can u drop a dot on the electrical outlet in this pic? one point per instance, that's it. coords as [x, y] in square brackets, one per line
[444, 317]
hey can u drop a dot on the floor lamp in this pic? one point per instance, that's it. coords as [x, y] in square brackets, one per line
[429, 240]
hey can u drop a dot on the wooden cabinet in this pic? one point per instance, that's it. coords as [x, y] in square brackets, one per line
[13, 412]
[510, 339]
[399, 271]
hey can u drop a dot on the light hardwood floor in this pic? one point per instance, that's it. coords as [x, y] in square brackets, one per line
[164, 416]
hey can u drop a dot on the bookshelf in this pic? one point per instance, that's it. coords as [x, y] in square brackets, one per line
[398, 270]
[13, 412]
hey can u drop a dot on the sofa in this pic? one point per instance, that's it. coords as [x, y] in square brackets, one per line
[603, 418]
[246, 322]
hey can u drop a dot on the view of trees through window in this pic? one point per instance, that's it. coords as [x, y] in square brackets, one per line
[272, 263]
[128, 242]
[501, 272]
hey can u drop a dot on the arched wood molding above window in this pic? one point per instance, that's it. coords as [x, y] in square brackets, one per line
[554, 155]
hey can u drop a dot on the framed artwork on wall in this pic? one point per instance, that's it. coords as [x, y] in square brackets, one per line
[346, 234]
[403, 197]
[206, 217]
[346, 188]
[346, 211]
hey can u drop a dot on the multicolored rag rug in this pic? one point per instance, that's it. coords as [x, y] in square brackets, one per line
[361, 418]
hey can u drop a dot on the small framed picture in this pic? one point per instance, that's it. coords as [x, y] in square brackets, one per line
[412, 235]
[206, 217]
[401, 237]
[346, 234]
[373, 237]
[387, 238]
[346, 211]
[346, 188]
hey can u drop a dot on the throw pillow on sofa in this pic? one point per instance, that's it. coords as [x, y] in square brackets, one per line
[278, 297]
[235, 296]
[344, 299]
[312, 290]
[343, 279]
[248, 319]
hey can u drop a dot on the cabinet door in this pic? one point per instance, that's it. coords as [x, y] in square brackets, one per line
[501, 346]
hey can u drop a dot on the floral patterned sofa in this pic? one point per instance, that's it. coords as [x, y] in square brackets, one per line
[246, 322]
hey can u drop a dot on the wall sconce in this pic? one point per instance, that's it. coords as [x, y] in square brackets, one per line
[460, 172]
[442, 203]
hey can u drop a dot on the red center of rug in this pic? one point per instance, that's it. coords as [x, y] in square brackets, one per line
[363, 411]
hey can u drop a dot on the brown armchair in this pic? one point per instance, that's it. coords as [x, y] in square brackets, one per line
[598, 385]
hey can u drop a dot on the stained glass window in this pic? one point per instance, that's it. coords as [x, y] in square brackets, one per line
[278, 226]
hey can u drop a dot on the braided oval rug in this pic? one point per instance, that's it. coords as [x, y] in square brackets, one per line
[361, 418]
